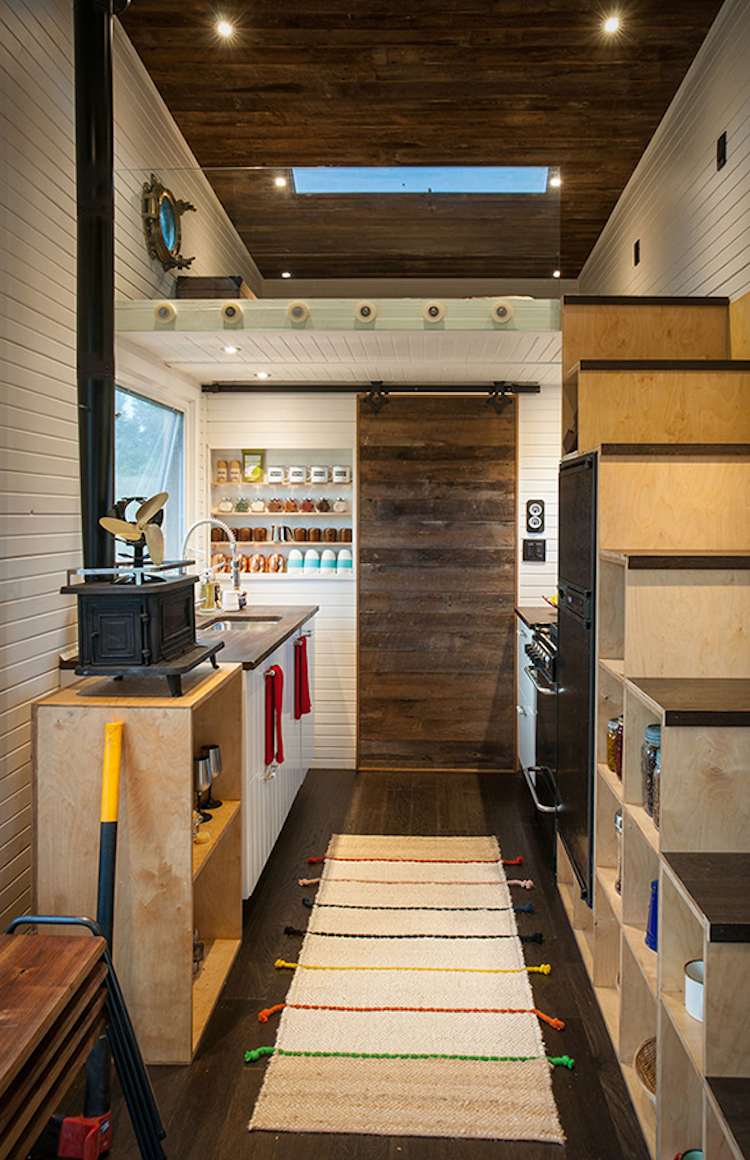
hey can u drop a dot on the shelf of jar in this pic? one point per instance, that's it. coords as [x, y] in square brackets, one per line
[290, 515]
[688, 1030]
[276, 546]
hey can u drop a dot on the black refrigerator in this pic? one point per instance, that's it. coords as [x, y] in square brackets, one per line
[576, 663]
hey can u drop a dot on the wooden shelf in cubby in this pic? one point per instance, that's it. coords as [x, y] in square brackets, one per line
[727, 1118]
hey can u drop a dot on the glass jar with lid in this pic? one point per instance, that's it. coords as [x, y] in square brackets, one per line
[618, 831]
[650, 763]
[612, 743]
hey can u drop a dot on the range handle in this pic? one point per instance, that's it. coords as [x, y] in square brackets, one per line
[532, 674]
[540, 806]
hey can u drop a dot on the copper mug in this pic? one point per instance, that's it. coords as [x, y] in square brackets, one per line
[300, 535]
[260, 535]
[315, 535]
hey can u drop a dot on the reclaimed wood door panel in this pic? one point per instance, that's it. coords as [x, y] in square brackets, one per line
[437, 580]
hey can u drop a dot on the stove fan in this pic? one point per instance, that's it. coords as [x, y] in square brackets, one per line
[145, 531]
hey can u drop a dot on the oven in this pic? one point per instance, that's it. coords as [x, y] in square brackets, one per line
[537, 721]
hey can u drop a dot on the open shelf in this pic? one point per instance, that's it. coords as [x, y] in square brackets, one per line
[689, 1030]
[219, 956]
[647, 959]
[646, 826]
[609, 1003]
[606, 880]
[614, 665]
[645, 1108]
[611, 780]
[220, 819]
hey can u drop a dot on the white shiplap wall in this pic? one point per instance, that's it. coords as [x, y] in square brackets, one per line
[539, 442]
[148, 141]
[39, 503]
[306, 421]
[692, 220]
[39, 473]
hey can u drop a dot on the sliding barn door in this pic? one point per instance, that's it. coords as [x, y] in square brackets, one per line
[437, 485]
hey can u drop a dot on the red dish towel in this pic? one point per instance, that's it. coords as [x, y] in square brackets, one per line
[274, 697]
[301, 679]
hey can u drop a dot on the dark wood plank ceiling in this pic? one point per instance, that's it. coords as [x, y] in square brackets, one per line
[416, 82]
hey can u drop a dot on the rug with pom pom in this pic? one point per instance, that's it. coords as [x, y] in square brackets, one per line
[410, 1012]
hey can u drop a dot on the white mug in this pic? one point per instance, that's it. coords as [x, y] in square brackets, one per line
[275, 475]
[296, 474]
[341, 474]
[319, 474]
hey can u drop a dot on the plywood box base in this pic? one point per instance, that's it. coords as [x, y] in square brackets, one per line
[166, 886]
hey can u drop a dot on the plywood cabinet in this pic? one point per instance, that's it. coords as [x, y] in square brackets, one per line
[167, 886]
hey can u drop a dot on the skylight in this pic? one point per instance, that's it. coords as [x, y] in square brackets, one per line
[421, 179]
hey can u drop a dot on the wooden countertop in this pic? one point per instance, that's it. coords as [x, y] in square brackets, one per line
[537, 614]
[250, 648]
[699, 701]
[717, 883]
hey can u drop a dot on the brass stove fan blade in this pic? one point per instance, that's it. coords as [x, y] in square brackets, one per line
[154, 542]
[121, 528]
[148, 510]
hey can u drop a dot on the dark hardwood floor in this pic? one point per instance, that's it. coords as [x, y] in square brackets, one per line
[205, 1108]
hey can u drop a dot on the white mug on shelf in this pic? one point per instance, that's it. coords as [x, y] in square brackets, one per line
[275, 474]
[297, 474]
[320, 474]
[341, 474]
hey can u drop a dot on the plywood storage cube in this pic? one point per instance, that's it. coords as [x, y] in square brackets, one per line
[679, 1090]
[644, 328]
[166, 885]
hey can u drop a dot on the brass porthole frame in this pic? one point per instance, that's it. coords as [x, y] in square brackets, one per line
[155, 194]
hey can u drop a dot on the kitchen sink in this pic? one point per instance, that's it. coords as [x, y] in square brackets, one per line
[241, 623]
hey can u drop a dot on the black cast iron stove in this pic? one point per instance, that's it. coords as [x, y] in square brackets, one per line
[143, 624]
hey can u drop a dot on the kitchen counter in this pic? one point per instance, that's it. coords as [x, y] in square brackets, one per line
[250, 647]
[542, 614]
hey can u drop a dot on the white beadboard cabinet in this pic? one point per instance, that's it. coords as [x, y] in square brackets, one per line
[269, 790]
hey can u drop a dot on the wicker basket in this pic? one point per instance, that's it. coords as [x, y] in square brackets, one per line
[644, 1063]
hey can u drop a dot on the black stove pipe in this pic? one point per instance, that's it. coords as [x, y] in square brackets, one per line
[95, 363]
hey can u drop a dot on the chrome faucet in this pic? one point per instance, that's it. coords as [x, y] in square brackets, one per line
[232, 540]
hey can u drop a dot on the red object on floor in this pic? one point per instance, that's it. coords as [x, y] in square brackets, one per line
[85, 1138]
[274, 698]
[302, 702]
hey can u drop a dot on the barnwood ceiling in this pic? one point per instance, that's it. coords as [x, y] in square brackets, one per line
[415, 82]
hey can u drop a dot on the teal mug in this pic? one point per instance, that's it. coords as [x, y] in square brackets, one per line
[693, 1154]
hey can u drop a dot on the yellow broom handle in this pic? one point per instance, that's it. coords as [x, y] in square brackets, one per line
[111, 770]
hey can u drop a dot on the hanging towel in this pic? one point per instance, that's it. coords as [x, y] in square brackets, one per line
[301, 679]
[274, 697]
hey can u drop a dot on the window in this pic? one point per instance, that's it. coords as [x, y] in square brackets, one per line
[421, 179]
[150, 457]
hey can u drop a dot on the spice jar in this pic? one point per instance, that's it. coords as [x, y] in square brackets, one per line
[650, 761]
[222, 471]
[612, 743]
[618, 829]
[618, 747]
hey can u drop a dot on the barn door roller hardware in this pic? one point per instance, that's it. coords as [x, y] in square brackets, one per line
[377, 396]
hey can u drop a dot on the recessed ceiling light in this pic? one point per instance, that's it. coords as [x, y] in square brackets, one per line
[262, 375]
[556, 181]
[280, 182]
[224, 28]
[230, 349]
[611, 24]
[555, 273]
[285, 274]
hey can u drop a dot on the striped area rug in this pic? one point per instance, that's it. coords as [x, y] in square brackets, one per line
[410, 1012]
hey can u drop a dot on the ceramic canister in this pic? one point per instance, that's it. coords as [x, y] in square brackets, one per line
[694, 988]
[328, 562]
[312, 560]
[344, 562]
[296, 474]
[294, 561]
